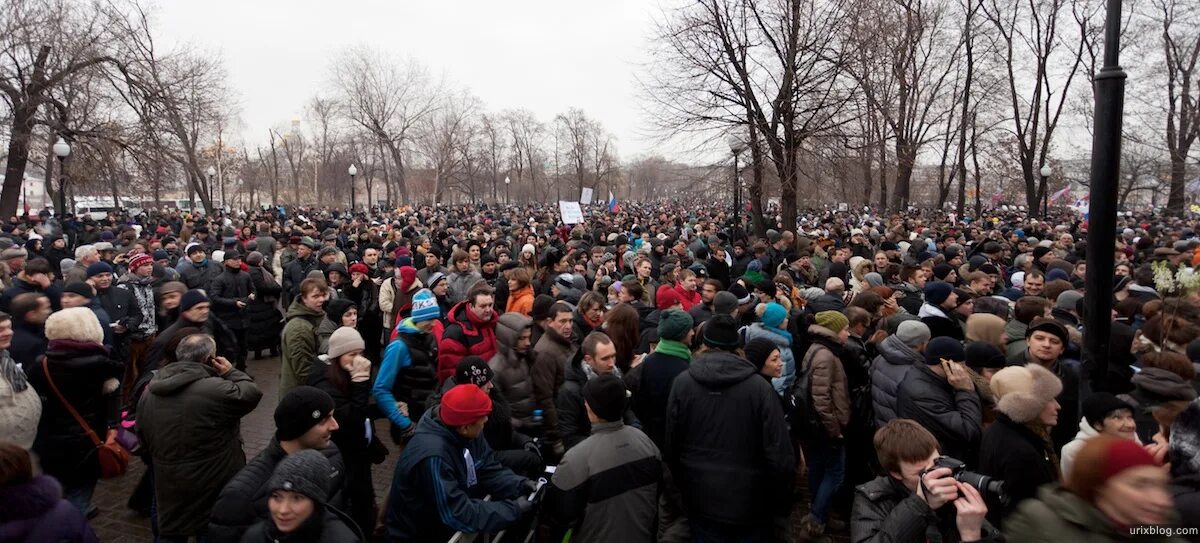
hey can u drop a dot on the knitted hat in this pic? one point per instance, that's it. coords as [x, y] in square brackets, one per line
[139, 261]
[302, 408]
[193, 248]
[403, 260]
[758, 350]
[473, 370]
[464, 404]
[674, 324]
[943, 347]
[541, 307]
[666, 298]
[1023, 391]
[941, 271]
[76, 323]
[936, 292]
[98, 268]
[913, 333]
[1068, 299]
[436, 278]
[1099, 405]
[835, 321]
[306, 472]
[1120, 282]
[774, 315]
[191, 298]
[359, 267]
[982, 355]
[724, 303]
[1102, 458]
[721, 332]
[1048, 325]
[344, 340]
[425, 306]
[336, 308]
[80, 288]
[740, 292]
[606, 396]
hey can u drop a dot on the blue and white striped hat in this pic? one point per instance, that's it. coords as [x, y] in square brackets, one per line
[425, 306]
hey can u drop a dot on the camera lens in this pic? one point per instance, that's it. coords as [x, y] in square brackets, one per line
[986, 485]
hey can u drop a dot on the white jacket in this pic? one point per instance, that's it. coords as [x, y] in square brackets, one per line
[1067, 456]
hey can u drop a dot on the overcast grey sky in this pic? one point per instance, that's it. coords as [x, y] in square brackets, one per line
[544, 55]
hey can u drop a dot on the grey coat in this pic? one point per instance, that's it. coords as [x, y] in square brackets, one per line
[887, 371]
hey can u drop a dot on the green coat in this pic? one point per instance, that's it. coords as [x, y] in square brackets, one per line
[1058, 516]
[299, 346]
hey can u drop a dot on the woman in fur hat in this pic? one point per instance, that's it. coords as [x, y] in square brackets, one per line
[1016, 448]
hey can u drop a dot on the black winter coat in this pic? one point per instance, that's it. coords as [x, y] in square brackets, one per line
[727, 442]
[885, 512]
[122, 308]
[352, 407]
[573, 423]
[294, 274]
[243, 500]
[79, 370]
[266, 321]
[943, 327]
[650, 385]
[1186, 489]
[1013, 453]
[225, 291]
[954, 417]
[417, 382]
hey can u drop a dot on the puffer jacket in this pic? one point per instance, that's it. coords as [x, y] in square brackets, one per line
[727, 442]
[458, 284]
[1059, 515]
[887, 371]
[953, 416]
[189, 424]
[407, 374]
[244, 499]
[830, 392]
[34, 511]
[782, 340]
[551, 356]
[520, 301]
[512, 379]
[465, 335]
[266, 321]
[885, 511]
[299, 346]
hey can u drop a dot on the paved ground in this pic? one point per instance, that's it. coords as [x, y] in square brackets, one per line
[118, 524]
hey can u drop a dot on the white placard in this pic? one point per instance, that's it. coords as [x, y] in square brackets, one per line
[586, 196]
[570, 211]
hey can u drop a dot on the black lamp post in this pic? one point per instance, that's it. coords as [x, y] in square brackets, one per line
[211, 172]
[1102, 194]
[507, 196]
[736, 146]
[62, 150]
[1045, 171]
[353, 172]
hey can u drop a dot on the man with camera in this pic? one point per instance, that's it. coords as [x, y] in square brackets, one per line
[914, 503]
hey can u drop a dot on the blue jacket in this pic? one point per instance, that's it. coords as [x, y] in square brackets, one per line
[435, 494]
[396, 357]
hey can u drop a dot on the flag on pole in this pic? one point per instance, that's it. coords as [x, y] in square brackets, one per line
[997, 198]
[613, 207]
[1064, 193]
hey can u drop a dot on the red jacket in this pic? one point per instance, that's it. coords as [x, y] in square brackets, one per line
[688, 299]
[465, 335]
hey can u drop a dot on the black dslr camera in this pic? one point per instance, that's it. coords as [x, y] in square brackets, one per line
[990, 488]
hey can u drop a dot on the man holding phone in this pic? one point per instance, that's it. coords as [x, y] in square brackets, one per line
[941, 397]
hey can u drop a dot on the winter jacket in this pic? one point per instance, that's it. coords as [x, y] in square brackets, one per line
[511, 369]
[727, 442]
[827, 379]
[1013, 453]
[35, 512]
[332, 526]
[82, 372]
[21, 286]
[1014, 336]
[1059, 515]
[1067, 456]
[783, 341]
[299, 345]
[573, 423]
[226, 341]
[198, 276]
[243, 500]
[407, 374]
[395, 303]
[551, 356]
[520, 301]
[688, 298]
[1186, 490]
[939, 324]
[294, 274]
[121, 308]
[142, 291]
[953, 416]
[265, 319]
[887, 371]
[434, 493]
[606, 488]
[227, 289]
[465, 335]
[885, 511]
[28, 342]
[650, 385]
[189, 424]
[459, 283]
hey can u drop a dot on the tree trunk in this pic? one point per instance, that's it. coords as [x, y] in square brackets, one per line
[1177, 195]
[18, 159]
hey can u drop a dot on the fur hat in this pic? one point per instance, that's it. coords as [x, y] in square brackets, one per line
[76, 323]
[1023, 391]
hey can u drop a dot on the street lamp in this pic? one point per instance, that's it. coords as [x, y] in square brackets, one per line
[353, 172]
[1045, 171]
[736, 146]
[62, 149]
[211, 172]
[507, 197]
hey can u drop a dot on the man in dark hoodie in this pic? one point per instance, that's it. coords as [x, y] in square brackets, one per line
[727, 442]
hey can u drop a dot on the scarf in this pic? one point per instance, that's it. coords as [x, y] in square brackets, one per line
[12, 372]
[674, 348]
[781, 332]
[591, 373]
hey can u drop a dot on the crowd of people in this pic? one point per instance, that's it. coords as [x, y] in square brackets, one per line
[657, 373]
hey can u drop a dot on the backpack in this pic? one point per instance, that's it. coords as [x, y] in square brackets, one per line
[804, 419]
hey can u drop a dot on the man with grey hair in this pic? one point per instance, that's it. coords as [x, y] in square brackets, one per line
[85, 255]
[189, 421]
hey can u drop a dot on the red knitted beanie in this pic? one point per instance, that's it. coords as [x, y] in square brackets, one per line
[465, 404]
[1124, 454]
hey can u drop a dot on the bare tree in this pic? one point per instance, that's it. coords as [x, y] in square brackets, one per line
[1180, 24]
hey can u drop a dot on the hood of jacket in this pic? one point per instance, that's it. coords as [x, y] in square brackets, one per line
[29, 500]
[461, 314]
[718, 369]
[177, 376]
[1085, 430]
[1162, 385]
[897, 352]
[508, 328]
[1015, 330]
[300, 311]
[757, 330]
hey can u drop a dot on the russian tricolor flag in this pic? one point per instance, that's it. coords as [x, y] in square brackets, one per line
[613, 207]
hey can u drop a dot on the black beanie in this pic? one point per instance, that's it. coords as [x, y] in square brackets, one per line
[336, 308]
[191, 298]
[472, 370]
[541, 307]
[758, 350]
[80, 288]
[1099, 405]
[606, 395]
[301, 409]
[721, 332]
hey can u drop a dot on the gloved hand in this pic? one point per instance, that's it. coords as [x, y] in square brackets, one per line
[524, 505]
[407, 433]
[360, 369]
